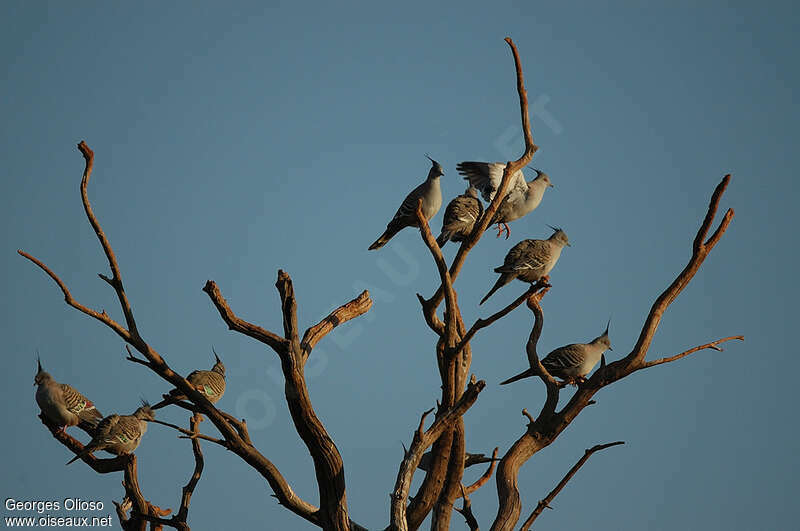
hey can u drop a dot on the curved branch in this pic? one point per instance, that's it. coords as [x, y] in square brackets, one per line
[699, 252]
[712, 345]
[100, 316]
[545, 503]
[194, 479]
[542, 432]
[355, 308]
[274, 341]
[116, 280]
[481, 481]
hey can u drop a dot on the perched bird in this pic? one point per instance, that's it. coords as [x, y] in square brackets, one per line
[522, 197]
[61, 403]
[469, 460]
[210, 383]
[119, 434]
[530, 260]
[572, 362]
[460, 216]
[431, 194]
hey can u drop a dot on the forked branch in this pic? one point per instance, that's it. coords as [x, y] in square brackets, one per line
[550, 424]
[423, 439]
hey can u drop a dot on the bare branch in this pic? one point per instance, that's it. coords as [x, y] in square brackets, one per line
[548, 427]
[134, 359]
[429, 312]
[116, 280]
[277, 343]
[466, 511]
[194, 479]
[483, 323]
[481, 481]
[451, 307]
[192, 434]
[423, 440]
[527, 415]
[355, 308]
[699, 253]
[288, 309]
[712, 210]
[712, 345]
[100, 316]
[549, 498]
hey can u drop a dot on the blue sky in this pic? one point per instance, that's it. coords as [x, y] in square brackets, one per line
[232, 141]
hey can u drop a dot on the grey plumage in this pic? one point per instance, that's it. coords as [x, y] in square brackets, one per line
[573, 362]
[460, 217]
[530, 260]
[119, 434]
[522, 197]
[431, 194]
[61, 403]
[210, 383]
[469, 460]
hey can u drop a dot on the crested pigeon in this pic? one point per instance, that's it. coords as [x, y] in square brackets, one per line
[119, 434]
[210, 383]
[431, 194]
[530, 260]
[61, 403]
[460, 216]
[469, 460]
[522, 197]
[572, 362]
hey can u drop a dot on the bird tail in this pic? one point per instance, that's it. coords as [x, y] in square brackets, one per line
[90, 416]
[83, 453]
[502, 281]
[527, 373]
[385, 237]
[443, 238]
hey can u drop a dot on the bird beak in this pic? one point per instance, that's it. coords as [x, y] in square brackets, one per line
[551, 185]
[568, 245]
[38, 361]
[609, 348]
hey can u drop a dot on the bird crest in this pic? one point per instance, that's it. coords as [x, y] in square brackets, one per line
[435, 166]
[218, 366]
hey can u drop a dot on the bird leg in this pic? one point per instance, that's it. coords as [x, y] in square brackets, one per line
[503, 227]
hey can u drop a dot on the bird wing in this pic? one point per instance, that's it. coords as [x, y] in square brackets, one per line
[464, 209]
[106, 427]
[125, 430]
[75, 401]
[209, 382]
[487, 176]
[408, 207]
[527, 254]
[565, 357]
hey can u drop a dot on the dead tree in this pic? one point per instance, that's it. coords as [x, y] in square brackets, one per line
[442, 485]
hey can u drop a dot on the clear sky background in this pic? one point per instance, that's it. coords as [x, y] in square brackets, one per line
[233, 140]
